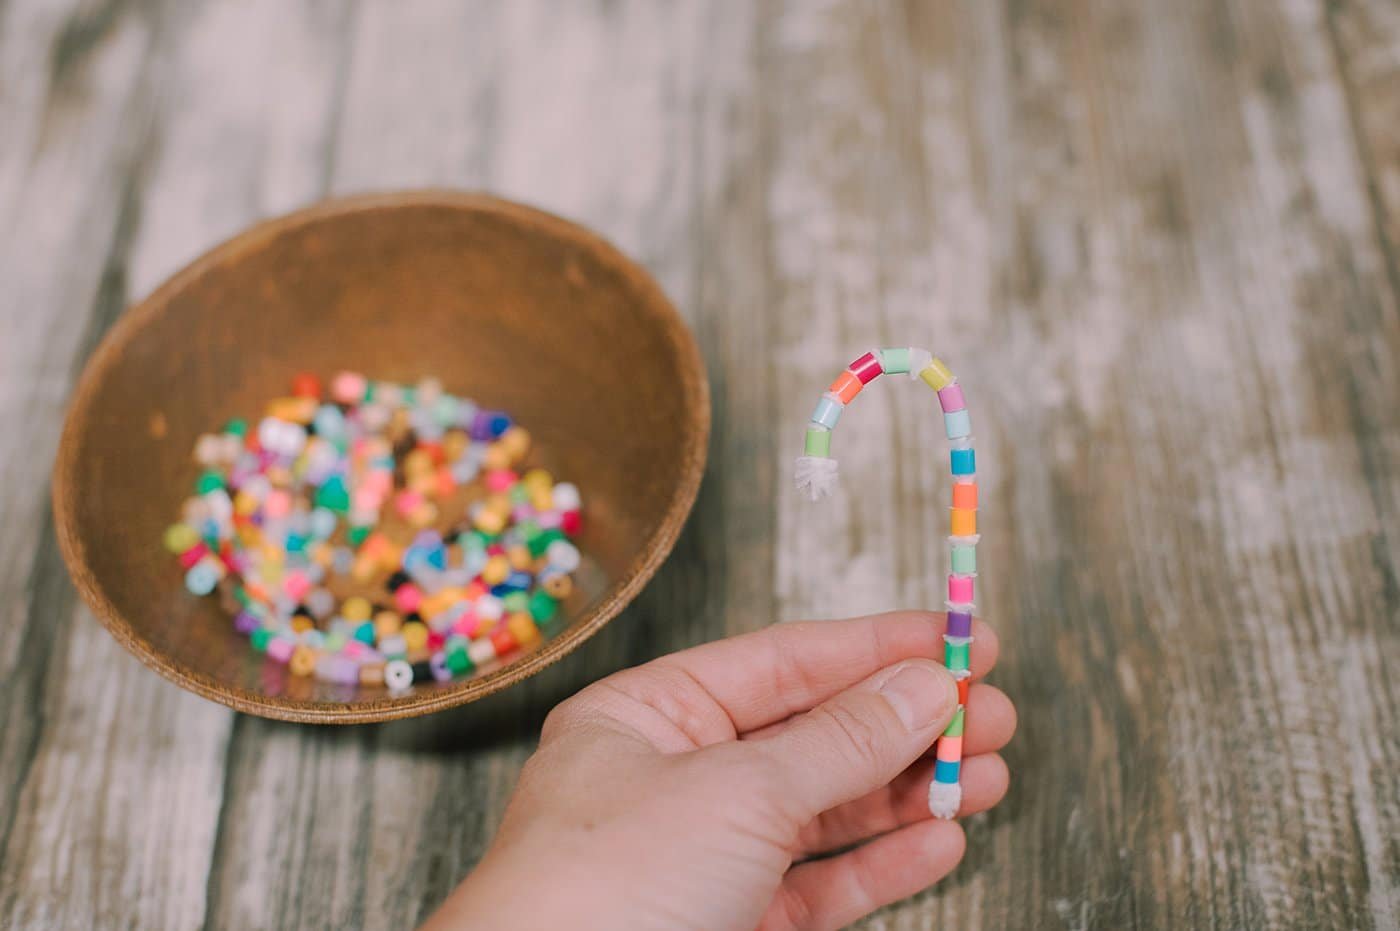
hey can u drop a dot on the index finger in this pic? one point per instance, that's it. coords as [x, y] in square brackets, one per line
[774, 673]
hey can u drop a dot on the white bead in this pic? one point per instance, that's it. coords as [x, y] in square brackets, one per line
[566, 497]
[398, 675]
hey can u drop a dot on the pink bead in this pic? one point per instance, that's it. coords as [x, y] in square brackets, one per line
[408, 598]
[500, 480]
[277, 504]
[355, 649]
[951, 398]
[296, 585]
[950, 749]
[960, 588]
[348, 388]
[866, 368]
[280, 650]
[366, 499]
[407, 502]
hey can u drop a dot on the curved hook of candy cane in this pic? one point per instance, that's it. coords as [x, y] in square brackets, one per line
[817, 475]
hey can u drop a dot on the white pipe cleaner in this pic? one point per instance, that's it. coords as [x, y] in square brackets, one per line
[816, 476]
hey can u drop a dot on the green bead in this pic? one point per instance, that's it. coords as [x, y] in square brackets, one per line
[540, 543]
[459, 662]
[516, 601]
[180, 537]
[369, 392]
[209, 481]
[955, 656]
[964, 560]
[243, 597]
[543, 607]
[410, 396]
[237, 426]
[894, 361]
[818, 443]
[357, 535]
[518, 493]
[955, 727]
[261, 638]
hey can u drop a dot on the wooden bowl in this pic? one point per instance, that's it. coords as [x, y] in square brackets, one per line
[510, 306]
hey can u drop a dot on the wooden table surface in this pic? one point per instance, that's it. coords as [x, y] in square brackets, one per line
[1159, 241]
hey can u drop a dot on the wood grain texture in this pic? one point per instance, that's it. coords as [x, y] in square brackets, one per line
[1157, 242]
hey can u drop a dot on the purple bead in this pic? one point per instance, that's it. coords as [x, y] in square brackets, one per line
[346, 671]
[959, 624]
[481, 426]
[245, 623]
[437, 663]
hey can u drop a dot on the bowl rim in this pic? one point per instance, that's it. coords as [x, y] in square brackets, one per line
[690, 376]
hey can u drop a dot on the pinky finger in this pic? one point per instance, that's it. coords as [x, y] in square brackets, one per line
[834, 892]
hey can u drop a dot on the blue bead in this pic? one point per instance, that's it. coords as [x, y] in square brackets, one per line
[499, 424]
[958, 424]
[518, 581]
[964, 461]
[827, 413]
[201, 579]
[945, 771]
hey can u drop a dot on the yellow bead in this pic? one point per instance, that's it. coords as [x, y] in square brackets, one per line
[937, 375]
[386, 624]
[519, 557]
[415, 636]
[516, 441]
[303, 661]
[300, 624]
[542, 499]
[417, 462]
[489, 521]
[453, 445]
[559, 586]
[522, 628]
[496, 570]
[496, 457]
[423, 515]
[537, 478]
[244, 503]
[355, 609]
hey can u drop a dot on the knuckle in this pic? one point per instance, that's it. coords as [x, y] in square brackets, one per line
[861, 737]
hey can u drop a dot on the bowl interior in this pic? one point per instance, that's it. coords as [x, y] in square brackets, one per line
[511, 307]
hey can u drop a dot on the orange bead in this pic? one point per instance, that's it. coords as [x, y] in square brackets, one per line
[496, 457]
[301, 624]
[965, 495]
[963, 522]
[522, 628]
[519, 557]
[846, 387]
[559, 586]
[386, 624]
[372, 674]
[306, 385]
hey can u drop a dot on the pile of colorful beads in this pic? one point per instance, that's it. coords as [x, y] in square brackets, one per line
[353, 492]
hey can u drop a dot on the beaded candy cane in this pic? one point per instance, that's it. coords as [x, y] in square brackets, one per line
[816, 474]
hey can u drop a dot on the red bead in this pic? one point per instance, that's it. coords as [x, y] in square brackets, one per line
[306, 385]
[866, 368]
[496, 549]
[963, 685]
[435, 640]
[503, 640]
[193, 555]
[571, 522]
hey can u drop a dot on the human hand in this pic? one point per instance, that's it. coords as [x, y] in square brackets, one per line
[704, 789]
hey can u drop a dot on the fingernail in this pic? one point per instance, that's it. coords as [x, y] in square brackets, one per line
[921, 694]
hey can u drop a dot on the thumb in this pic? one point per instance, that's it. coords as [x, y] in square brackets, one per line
[862, 738]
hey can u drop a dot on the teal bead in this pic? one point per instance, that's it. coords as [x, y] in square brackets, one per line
[365, 633]
[964, 559]
[826, 413]
[209, 481]
[333, 496]
[543, 607]
[237, 426]
[894, 361]
[261, 638]
[955, 656]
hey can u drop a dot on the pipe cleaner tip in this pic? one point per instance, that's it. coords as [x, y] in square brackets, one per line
[944, 799]
[816, 475]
